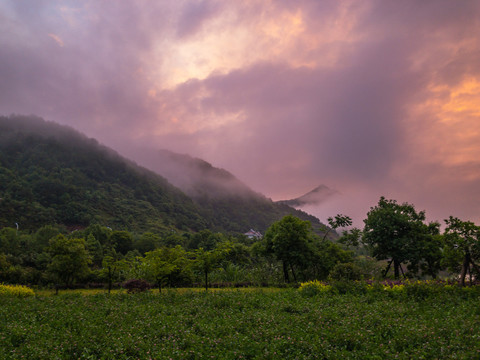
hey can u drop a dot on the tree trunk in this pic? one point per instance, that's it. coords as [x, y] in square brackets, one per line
[396, 268]
[159, 286]
[387, 269]
[401, 269]
[206, 280]
[285, 272]
[110, 280]
[293, 273]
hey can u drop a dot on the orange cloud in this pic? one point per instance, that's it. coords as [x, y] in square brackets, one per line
[57, 39]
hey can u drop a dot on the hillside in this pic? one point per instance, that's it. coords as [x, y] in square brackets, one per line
[314, 197]
[53, 174]
[221, 197]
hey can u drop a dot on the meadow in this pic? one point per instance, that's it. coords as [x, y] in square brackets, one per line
[241, 324]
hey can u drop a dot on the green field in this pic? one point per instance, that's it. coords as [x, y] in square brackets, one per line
[239, 324]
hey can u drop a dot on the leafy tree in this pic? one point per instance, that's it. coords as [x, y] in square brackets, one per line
[326, 256]
[428, 258]
[122, 241]
[95, 250]
[70, 259]
[112, 264]
[462, 246]
[43, 236]
[339, 221]
[396, 232]
[290, 240]
[206, 261]
[147, 242]
[161, 263]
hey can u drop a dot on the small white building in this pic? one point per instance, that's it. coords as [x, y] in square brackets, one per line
[253, 234]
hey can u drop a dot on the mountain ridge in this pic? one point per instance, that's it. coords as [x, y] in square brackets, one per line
[314, 197]
[50, 173]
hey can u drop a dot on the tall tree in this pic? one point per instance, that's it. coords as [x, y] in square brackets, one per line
[462, 245]
[290, 240]
[70, 259]
[161, 263]
[394, 231]
[208, 260]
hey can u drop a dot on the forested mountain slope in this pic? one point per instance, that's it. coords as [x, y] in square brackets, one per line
[221, 197]
[52, 174]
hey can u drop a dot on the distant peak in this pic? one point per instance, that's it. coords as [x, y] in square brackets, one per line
[314, 197]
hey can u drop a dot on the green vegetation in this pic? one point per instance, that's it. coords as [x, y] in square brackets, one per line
[51, 174]
[15, 290]
[255, 324]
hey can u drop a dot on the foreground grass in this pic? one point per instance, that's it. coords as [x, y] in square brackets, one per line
[240, 325]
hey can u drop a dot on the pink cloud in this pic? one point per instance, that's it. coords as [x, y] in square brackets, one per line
[286, 95]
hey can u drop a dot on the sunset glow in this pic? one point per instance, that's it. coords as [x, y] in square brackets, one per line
[370, 98]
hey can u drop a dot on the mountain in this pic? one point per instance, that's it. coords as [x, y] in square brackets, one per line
[53, 174]
[198, 178]
[315, 197]
[220, 196]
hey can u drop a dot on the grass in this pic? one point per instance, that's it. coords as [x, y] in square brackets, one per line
[239, 324]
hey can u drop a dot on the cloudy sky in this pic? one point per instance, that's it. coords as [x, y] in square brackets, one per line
[367, 97]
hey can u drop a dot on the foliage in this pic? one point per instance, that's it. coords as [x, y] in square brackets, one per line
[314, 287]
[70, 259]
[51, 174]
[206, 261]
[166, 264]
[462, 247]
[290, 240]
[397, 232]
[16, 290]
[251, 324]
[339, 221]
[346, 271]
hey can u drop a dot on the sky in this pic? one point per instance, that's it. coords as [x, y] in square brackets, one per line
[371, 98]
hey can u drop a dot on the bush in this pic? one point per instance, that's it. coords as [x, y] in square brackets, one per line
[346, 271]
[312, 288]
[136, 286]
[15, 290]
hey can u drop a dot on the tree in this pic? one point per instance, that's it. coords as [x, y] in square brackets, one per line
[70, 259]
[462, 246]
[396, 232]
[428, 257]
[161, 263]
[95, 250]
[207, 260]
[338, 221]
[112, 264]
[122, 241]
[290, 239]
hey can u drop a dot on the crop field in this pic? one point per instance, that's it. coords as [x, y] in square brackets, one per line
[239, 324]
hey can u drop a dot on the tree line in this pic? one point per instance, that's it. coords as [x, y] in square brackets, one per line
[396, 241]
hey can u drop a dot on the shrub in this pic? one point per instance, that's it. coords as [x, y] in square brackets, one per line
[136, 285]
[312, 288]
[346, 271]
[15, 290]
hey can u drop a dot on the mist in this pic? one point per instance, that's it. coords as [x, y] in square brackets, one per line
[370, 99]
